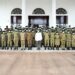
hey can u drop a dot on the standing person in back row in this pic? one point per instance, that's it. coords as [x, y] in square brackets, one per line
[63, 40]
[29, 39]
[16, 39]
[38, 39]
[3, 40]
[73, 40]
[22, 38]
[46, 39]
[9, 40]
[68, 40]
[57, 40]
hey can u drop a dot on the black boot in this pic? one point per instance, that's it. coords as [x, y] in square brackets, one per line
[45, 47]
[21, 48]
[11, 48]
[2, 48]
[24, 48]
[74, 48]
[48, 47]
[7, 48]
[28, 48]
[17, 48]
[14, 48]
[57, 48]
[67, 48]
[51, 48]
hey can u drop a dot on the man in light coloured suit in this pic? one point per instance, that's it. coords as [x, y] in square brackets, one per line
[38, 39]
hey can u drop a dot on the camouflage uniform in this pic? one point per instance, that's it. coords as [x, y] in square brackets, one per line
[16, 39]
[57, 40]
[73, 41]
[9, 40]
[52, 34]
[68, 40]
[22, 38]
[0, 38]
[3, 40]
[29, 39]
[46, 39]
[63, 39]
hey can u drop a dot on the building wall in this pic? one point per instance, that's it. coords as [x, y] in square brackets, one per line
[69, 5]
[44, 4]
[6, 6]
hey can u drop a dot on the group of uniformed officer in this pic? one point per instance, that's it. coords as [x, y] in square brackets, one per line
[52, 38]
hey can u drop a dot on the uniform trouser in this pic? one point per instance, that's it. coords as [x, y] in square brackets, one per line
[62, 44]
[68, 44]
[38, 44]
[29, 42]
[22, 43]
[46, 42]
[3, 43]
[16, 43]
[57, 43]
[73, 44]
[52, 43]
[9, 43]
[33, 42]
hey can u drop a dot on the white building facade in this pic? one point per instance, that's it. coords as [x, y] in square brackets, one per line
[28, 6]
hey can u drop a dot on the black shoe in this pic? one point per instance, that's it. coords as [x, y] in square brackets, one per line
[68, 48]
[24, 48]
[57, 48]
[45, 48]
[38, 48]
[2, 48]
[7, 48]
[48, 48]
[11, 48]
[63, 48]
[53, 48]
[14, 48]
[28, 48]
[17, 48]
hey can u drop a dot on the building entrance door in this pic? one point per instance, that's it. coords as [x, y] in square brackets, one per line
[38, 21]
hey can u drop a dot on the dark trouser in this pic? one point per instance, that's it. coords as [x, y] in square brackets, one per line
[57, 47]
[73, 48]
[38, 44]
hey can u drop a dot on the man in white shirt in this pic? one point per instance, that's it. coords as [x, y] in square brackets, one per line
[38, 39]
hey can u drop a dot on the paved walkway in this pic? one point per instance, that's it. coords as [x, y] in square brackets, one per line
[37, 63]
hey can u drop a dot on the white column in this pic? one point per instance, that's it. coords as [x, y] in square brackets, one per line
[24, 21]
[53, 14]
